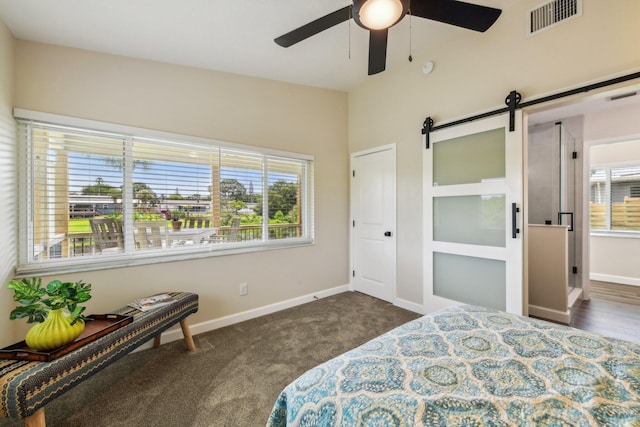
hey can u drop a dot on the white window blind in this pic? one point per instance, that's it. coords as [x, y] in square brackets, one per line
[101, 198]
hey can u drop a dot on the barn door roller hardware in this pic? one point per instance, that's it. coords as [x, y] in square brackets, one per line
[427, 127]
[513, 102]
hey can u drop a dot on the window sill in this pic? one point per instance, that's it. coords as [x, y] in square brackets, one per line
[615, 233]
[104, 262]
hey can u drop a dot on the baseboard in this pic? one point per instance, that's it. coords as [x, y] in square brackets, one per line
[175, 333]
[550, 314]
[408, 305]
[615, 279]
[574, 295]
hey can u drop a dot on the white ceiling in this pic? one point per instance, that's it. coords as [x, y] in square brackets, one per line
[234, 36]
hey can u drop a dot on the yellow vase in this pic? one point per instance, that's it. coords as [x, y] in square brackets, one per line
[54, 332]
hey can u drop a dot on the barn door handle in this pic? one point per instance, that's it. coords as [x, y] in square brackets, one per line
[514, 220]
[387, 234]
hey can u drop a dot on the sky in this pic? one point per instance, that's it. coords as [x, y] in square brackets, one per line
[163, 177]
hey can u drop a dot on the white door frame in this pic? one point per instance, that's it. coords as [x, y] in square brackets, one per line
[392, 149]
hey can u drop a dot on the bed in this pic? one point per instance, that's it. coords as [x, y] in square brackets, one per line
[471, 366]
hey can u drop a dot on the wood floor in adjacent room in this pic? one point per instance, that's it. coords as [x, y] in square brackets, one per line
[614, 310]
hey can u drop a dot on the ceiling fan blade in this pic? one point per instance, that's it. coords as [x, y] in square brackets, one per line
[314, 27]
[458, 13]
[377, 50]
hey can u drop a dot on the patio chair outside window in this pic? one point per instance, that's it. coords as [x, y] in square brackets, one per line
[197, 222]
[107, 234]
[150, 234]
[232, 236]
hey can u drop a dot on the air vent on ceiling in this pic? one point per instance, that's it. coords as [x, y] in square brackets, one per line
[551, 14]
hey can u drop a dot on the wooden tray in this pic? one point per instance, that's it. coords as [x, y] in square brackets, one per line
[96, 326]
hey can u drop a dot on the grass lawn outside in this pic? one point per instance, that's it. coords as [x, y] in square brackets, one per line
[79, 225]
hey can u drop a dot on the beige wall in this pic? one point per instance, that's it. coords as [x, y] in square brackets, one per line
[617, 153]
[475, 73]
[8, 209]
[614, 258]
[212, 105]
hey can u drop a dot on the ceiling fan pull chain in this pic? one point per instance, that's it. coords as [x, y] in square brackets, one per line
[410, 34]
[349, 53]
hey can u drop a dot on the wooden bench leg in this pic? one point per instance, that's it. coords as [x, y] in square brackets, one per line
[188, 339]
[36, 419]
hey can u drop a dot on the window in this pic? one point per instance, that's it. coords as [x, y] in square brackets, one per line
[128, 196]
[615, 199]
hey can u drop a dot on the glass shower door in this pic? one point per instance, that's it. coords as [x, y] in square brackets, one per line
[567, 193]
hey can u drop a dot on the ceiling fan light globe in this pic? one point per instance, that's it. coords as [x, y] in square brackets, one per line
[380, 14]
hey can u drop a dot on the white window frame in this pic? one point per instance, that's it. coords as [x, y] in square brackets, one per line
[28, 267]
[607, 167]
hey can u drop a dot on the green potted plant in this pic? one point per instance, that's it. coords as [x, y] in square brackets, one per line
[55, 309]
[176, 215]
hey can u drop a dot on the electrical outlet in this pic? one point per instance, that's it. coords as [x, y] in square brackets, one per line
[244, 289]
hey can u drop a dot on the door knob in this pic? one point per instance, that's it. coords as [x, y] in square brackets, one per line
[387, 234]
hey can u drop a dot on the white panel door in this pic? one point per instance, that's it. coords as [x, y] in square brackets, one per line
[472, 195]
[373, 208]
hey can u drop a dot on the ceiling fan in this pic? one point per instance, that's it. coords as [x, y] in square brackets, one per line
[378, 16]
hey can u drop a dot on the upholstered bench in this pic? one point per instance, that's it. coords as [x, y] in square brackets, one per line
[27, 386]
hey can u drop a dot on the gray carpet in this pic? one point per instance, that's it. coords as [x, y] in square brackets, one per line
[234, 376]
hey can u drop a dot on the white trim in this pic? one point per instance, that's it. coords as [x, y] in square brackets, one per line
[574, 295]
[175, 334]
[488, 252]
[409, 305]
[373, 150]
[56, 119]
[107, 261]
[632, 281]
[550, 314]
[616, 234]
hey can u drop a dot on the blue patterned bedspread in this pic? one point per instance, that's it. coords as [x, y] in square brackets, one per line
[471, 366]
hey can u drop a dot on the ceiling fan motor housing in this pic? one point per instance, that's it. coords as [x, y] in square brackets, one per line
[358, 5]
[379, 15]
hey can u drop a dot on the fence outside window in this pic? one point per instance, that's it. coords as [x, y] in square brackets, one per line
[615, 198]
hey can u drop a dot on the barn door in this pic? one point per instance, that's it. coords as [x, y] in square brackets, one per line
[472, 184]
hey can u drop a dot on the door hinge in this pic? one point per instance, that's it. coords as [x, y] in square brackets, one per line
[354, 223]
[354, 173]
[353, 273]
[574, 155]
[574, 270]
